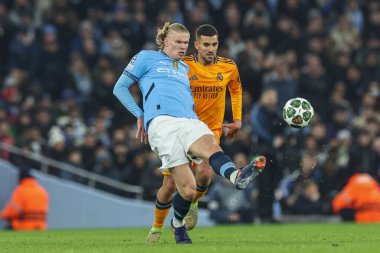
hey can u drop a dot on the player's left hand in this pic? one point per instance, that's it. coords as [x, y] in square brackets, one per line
[232, 128]
[141, 134]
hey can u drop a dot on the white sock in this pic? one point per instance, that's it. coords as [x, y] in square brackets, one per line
[178, 223]
[233, 176]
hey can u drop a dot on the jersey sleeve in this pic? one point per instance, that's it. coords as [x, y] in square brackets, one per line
[137, 66]
[236, 92]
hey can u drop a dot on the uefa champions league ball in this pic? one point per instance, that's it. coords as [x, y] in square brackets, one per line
[298, 112]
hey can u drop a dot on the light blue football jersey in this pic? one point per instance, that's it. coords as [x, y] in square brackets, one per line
[164, 85]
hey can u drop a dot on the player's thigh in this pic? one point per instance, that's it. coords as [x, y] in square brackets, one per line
[163, 139]
[204, 147]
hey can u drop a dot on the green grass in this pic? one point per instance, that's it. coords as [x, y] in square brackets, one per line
[321, 238]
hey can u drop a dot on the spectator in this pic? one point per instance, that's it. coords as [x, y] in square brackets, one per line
[28, 206]
[359, 200]
[228, 206]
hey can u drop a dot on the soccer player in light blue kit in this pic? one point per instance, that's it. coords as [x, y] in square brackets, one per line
[169, 120]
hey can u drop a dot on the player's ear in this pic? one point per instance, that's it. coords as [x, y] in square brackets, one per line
[196, 44]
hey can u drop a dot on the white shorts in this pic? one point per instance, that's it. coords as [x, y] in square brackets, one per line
[171, 138]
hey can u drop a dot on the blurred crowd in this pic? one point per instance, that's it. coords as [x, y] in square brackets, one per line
[59, 61]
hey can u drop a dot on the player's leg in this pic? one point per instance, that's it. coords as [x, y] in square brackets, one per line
[203, 176]
[185, 182]
[162, 207]
[207, 147]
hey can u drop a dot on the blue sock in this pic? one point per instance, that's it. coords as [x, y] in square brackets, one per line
[222, 164]
[181, 207]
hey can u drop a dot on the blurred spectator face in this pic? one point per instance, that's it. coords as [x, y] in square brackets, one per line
[172, 6]
[89, 47]
[4, 129]
[371, 60]
[240, 160]
[374, 88]
[119, 135]
[25, 119]
[263, 42]
[232, 15]
[89, 140]
[373, 126]
[281, 69]
[314, 65]
[368, 101]
[315, 25]
[284, 24]
[311, 144]
[375, 17]
[34, 134]
[308, 163]
[353, 73]
[343, 60]
[364, 139]
[316, 45]
[207, 46]
[373, 42]
[376, 145]
[120, 149]
[269, 98]
[51, 46]
[43, 117]
[319, 131]
[341, 117]
[75, 157]
[108, 78]
[139, 161]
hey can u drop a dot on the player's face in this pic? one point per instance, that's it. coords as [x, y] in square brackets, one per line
[207, 46]
[176, 44]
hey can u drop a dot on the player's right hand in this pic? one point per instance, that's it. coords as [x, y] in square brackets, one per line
[141, 134]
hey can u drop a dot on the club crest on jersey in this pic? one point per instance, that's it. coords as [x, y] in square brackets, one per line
[219, 77]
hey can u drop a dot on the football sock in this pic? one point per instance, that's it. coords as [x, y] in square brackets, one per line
[201, 190]
[181, 208]
[223, 165]
[233, 176]
[161, 211]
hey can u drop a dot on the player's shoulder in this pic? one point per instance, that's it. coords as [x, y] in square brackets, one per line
[225, 61]
[188, 59]
[148, 53]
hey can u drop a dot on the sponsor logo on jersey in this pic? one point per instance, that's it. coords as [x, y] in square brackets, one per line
[172, 72]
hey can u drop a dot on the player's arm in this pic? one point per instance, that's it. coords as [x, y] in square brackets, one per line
[236, 93]
[121, 91]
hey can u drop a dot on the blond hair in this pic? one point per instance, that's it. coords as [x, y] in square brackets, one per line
[165, 30]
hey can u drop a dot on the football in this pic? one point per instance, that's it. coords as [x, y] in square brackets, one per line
[298, 112]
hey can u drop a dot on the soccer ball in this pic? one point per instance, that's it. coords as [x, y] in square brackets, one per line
[298, 112]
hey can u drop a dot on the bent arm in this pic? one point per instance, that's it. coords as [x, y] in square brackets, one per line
[121, 91]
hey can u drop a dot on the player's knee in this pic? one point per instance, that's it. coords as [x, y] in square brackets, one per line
[204, 174]
[188, 193]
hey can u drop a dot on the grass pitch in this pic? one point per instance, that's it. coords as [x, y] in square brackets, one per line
[321, 238]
